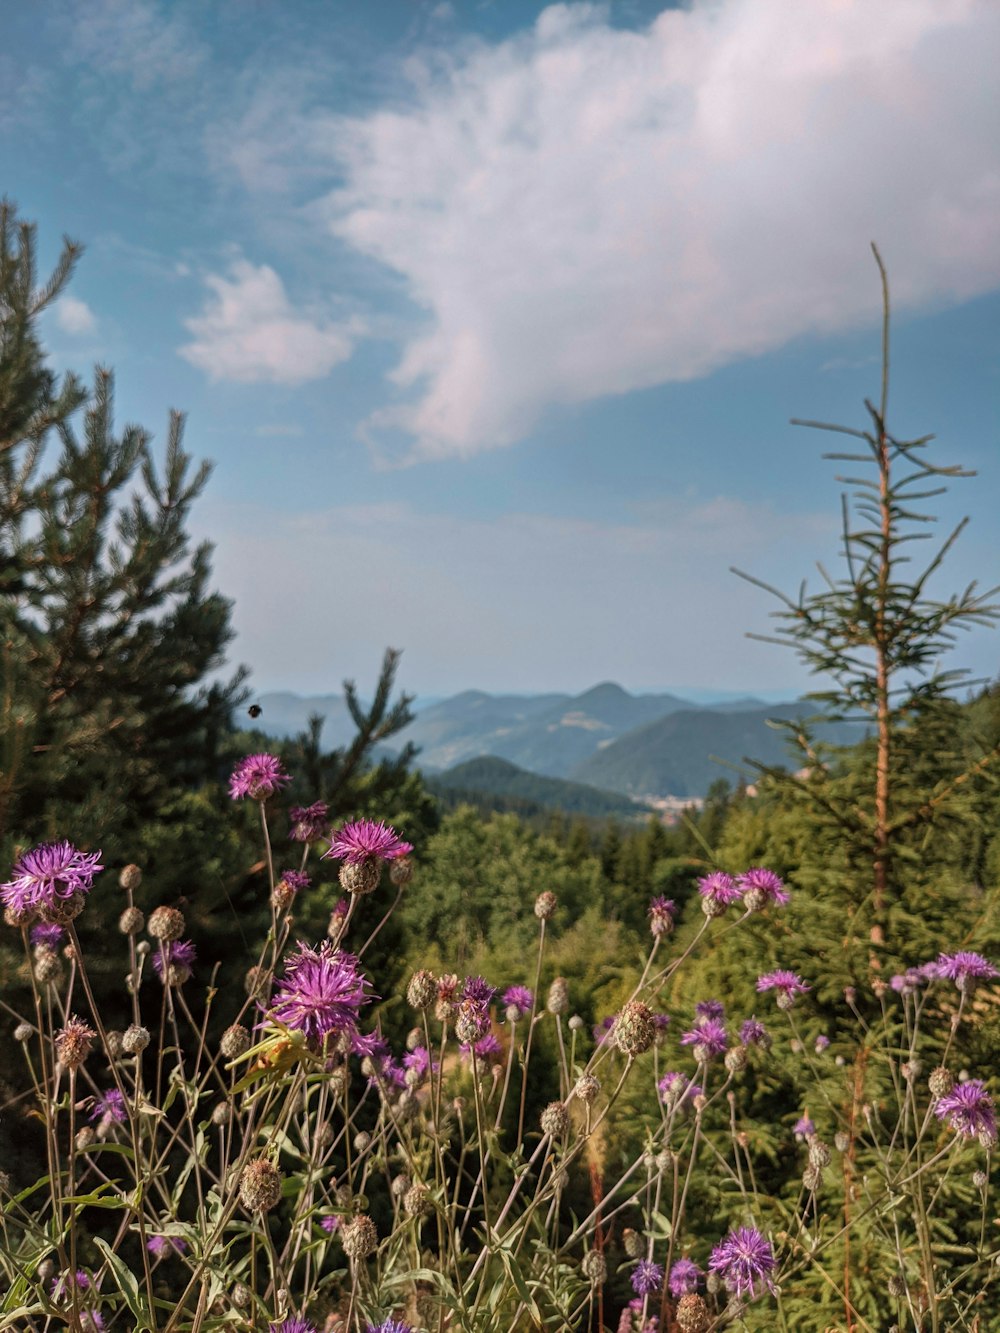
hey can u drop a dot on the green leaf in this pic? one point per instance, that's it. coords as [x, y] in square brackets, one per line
[127, 1285]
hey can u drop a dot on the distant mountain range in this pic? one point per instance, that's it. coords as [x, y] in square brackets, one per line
[647, 745]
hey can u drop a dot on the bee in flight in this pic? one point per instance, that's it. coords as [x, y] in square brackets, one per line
[255, 710]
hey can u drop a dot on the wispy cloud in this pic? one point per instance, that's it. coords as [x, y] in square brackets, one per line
[248, 331]
[74, 317]
[584, 210]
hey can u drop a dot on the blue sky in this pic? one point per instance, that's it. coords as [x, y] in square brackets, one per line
[493, 316]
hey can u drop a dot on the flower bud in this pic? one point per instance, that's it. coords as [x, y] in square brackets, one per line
[359, 1237]
[545, 906]
[558, 997]
[422, 990]
[166, 924]
[129, 878]
[135, 1039]
[634, 1031]
[587, 1087]
[692, 1314]
[235, 1041]
[555, 1120]
[131, 921]
[260, 1186]
[595, 1267]
[400, 871]
[360, 877]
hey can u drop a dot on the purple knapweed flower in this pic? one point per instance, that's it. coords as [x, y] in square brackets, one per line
[754, 1033]
[295, 880]
[822, 1042]
[786, 983]
[484, 1047]
[965, 969]
[91, 1321]
[49, 875]
[178, 956]
[366, 840]
[110, 1104]
[647, 1277]
[47, 935]
[708, 1038]
[803, 1128]
[908, 982]
[64, 1283]
[309, 823]
[519, 998]
[930, 971]
[969, 1110]
[371, 1045]
[293, 1325]
[718, 891]
[602, 1030]
[258, 776]
[419, 1062]
[330, 1222]
[675, 1087]
[478, 991]
[710, 1009]
[389, 1326]
[684, 1278]
[743, 1259]
[761, 887]
[661, 915]
[321, 993]
[160, 1245]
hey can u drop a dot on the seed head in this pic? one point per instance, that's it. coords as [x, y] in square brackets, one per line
[692, 1314]
[941, 1081]
[74, 1043]
[422, 990]
[595, 1267]
[129, 878]
[555, 1120]
[135, 1039]
[166, 924]
[417, 1201]
[634, 1031]
[359, 1237]
[545, 905]
[260, 1186]
[235, 1041]
[400, 872]
[131, 921]
[587, 1088]
[558, 997]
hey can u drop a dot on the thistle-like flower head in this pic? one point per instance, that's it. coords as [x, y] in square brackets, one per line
[321, 993]
[965, 969]
[366, 840]
[743, 1259]
[309, 823]
[48, 876]
[969, 1110]
[258, 776]
[684, 1277]
[761, 887]
[647, 1277]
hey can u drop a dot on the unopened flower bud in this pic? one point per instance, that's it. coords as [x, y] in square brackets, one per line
[222, 1113]
[48, 967]
[586, 1088]
[633, 1244]
[841, 1141]
[812, 1178]
[736, 1059]
[235, 1041]
[545, 905]
[941, 1081]
[240, 1296]
[23, 1032]
[84, 1138]
[135, 1039]
[359, 1237]
[400, 871]
[422, 990]
[692, 1314]
[360, 877]
[362, 1142]
[595, 1267]
[558, 997]
[399, 1185]
[576, 1023]
[131, 921]
[896, 1287]
[166, 924]
[634, 1031]
[819, 1153]
[129, 878]
[555, 1120]
[417, 1201]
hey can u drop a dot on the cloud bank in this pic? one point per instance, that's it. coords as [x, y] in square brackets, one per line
[583, 210]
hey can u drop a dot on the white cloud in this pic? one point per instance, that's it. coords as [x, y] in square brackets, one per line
[520, 601]
[74, 317]
[249, 331]
[585, 210]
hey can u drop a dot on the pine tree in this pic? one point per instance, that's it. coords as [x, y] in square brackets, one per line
[108, 626]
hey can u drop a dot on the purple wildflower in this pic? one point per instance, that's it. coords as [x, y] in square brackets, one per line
[321, 993]
[675, 1087]
[718, 890]
[47, 935]
[965, 969]
[91, 1321]
[64, 1284]
[160, 1245]
[707, 1037]
[48, 875]
[803, 1128]
[761, 887]
[370, 1045]
[519, 998]
[293, 1325]
[295, 880]
[309, 822]
[330, 1222]
[684, 1278]
[661, 915]
[710, 1009]
[754, 1033]
[389, 1326]
[484, 1047]
[478, 991]
[969, 1110]
[111, 1104]
[179, 955]
[602, 1030]
[822, 1042]
[743, 1258]
[786, 983]
[647, 1277]
[930, 971]
[257, 776]
[908, 982]
[364, 840]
